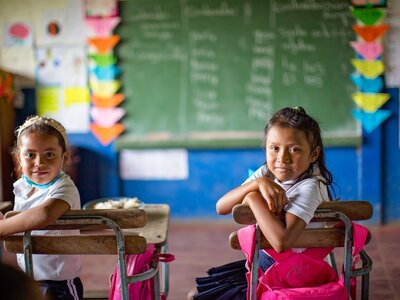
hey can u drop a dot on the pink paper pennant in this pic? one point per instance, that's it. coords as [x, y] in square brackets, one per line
[369, 51]
[103, 27]
[106, 117]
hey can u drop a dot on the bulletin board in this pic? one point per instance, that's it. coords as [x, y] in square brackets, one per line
[210, 73]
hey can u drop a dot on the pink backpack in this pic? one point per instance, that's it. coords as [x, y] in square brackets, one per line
[300, 276]
[135, 264]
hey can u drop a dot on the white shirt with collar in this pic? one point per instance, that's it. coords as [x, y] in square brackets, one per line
[50, 267]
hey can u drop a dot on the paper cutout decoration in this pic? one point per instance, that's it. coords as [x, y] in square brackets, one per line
[105, 44]
[369, 68]
[368, 3]
[103, 60]
[370, 102]
[48, 100]
[369, 51]
[7, 90]
[109, 72]
[106, 117]
[370, 33]
[367, 85]
[101, 9]
[369, 15]
[106, 135]
[76, 95]
[105, 89]
[370, 121]
[112, 101]
[103, 27]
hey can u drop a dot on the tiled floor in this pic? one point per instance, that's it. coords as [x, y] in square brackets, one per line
[199, 246]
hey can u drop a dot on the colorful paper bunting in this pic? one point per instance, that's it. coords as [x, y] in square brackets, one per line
[104, 45]
[370, 121]
[370, 102]
[103, 60]
[103, 27]
[107, 134]
[112, 101]
[102, 77]
[367, 85]
[369, 51]
[106, 73]
[106, 117]
[369, 68]
[105, 89]
[368, 16]
[370, 33]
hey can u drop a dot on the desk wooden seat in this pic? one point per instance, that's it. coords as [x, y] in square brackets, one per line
[311, 237]
[334, 211]
[103, 231]
[354, 210]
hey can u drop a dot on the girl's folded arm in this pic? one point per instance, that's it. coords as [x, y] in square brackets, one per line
[230, 199]
[280, 237]
[34, 218]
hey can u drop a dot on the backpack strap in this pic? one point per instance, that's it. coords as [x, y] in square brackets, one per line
[360, 234]
[246, 236]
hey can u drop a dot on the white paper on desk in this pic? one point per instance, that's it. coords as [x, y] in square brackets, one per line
[171, 164]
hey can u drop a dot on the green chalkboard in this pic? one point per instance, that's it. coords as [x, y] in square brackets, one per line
[210, 73]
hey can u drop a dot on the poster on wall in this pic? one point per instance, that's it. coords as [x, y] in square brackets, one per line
[62, 91]
[17, 34]
[64, 66]
[62, 26]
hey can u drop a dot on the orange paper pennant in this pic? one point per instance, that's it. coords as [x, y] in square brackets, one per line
[370, 33]
[104, 45]
[106, 135]
[112, 101]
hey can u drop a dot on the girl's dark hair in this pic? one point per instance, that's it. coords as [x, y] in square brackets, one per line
[297, 118]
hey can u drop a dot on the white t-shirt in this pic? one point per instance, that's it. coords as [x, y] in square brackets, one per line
[50, 267]
[304, 196]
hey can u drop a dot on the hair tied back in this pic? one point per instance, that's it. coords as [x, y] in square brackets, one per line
[300, 109]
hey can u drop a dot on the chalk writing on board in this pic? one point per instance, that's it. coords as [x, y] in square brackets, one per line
[203, 70]
[260, 94]
[223, 10]
[227, 65]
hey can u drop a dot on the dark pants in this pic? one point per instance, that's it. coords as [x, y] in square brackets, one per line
[228, 282]
[265, 261]
[62, 290]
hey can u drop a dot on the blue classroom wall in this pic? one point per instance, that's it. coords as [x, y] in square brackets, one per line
[391, 162]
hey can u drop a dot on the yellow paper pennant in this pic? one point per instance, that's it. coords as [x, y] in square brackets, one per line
[105, 89]
[369, 68]
[370, 102]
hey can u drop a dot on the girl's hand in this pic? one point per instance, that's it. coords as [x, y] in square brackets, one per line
[273, 194]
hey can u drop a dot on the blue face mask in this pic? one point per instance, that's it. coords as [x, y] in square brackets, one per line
[38, 185]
